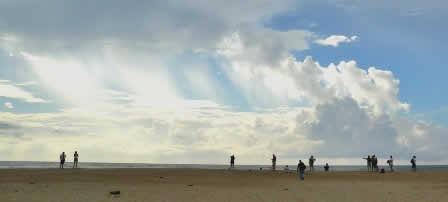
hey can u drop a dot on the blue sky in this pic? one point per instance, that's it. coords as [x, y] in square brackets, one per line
[173, 82]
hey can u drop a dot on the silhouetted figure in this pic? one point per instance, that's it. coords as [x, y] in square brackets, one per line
[369, 163]
[414, 163]
[232, 161]
[391, 164]
[375, 163]
[311, 162]
[62, 158]
[326, 167]
[286, 167]
[301, 169]
[75, 161]
[274, 161]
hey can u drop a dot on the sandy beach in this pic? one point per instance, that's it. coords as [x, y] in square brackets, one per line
[218, 185]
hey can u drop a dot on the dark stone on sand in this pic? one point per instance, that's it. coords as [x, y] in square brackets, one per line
[161, 177]
[31, 183]
[190, 185]
[115, 192]
[285, 189]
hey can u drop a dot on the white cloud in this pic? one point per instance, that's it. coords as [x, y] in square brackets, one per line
[335, 40]
[144, 90]
[9, 90]
[307, 81]
[9, 105]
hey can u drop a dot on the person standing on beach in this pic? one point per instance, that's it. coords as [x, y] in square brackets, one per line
[232, 161]
[274, 161]
[311, 162]
[391, 164]
[301, 170]
[369, 163]
[327, 167]
[414, 163]
[374, 162]
[62, 159]
[75, 161]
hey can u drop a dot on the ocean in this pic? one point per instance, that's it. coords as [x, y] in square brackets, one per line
[91, 165]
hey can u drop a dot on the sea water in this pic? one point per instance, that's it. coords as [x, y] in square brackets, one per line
[92, 165]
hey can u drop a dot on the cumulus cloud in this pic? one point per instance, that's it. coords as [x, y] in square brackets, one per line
[335, 40]
[145, 89]
[308, 82]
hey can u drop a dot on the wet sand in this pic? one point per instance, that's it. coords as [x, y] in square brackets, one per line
[218, 185]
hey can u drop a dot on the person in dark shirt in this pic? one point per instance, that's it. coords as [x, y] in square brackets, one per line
[301, 170]
[232, 161]
[274, 161]
[75, 161]
[311, 162]
[62, 159]
[327, 167]
[414, 163]
[369, 163]
[375, 163]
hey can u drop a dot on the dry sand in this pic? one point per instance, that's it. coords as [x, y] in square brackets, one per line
[218, 185]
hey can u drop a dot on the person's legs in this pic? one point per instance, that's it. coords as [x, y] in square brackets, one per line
[302, 175]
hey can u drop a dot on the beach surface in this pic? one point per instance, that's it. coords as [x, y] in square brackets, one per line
[218, 185]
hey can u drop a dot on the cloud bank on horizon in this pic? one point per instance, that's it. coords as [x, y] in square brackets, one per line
[192, 82]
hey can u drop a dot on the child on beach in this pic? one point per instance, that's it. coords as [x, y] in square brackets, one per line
[232, 161]
[327, 167]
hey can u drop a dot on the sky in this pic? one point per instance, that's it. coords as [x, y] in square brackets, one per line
[197, 81]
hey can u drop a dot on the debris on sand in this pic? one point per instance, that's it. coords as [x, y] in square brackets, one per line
[115, 192]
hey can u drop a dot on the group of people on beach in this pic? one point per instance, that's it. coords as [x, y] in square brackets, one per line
[372, 163]
[63, 156]
[301, 167]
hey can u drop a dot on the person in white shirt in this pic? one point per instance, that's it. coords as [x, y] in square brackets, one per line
[391, 164]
